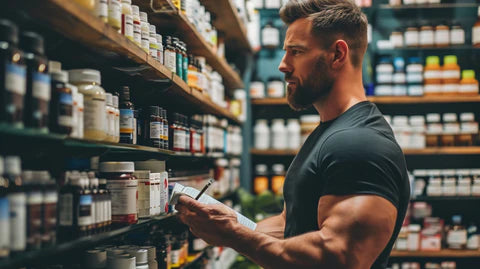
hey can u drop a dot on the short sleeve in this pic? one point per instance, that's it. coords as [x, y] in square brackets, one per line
[362, 161]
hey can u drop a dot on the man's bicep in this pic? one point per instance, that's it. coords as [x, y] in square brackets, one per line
[358, 225]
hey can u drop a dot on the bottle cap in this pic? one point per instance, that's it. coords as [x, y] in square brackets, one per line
[61, 76]
[141, 255]
[32, 42]
[449, 117]
[433, 118]
[135, 10]
[466, 117]
[278, 168]
[117, 167]
[84, 75]
[8, 31]
[13, 165]
[152, 29]
[450, 59]
[261, 169]
[95, 258]
[468, 74]
[125, 94]
[108, 99]
[433, 60]
[151, 251]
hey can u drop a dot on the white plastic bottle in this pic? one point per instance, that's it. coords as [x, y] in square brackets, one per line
[294, 135]
[279, 134]
[145, 32]
[262, 135]
[117, 118]
[127, 19]
[110, 118]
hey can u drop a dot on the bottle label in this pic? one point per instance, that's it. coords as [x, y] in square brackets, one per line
[457, 238]
[124, 200]
[432, 74]
[15, 80]
[126, 122]
[270, 37]
[411, 38]
[451, 74]
[101, 8]
[468, 88]
[127, 26]
[41, 86]
[65, 115]
[94, 114]
[4, 223]
[457, 36]
[111, 122]
[427, 38]
[49, 216]
[137, 32]
[155, 130]
[98, 210]
[175, 257]
[18, 221]
[146, 44]
[170, 60]
[442, 37]
[65, 205]
[179, 139]
[165, 132]
[114, 13]
[476, 35]
[84, 210]
[153, 50]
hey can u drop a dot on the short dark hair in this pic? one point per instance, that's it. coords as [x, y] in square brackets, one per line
[333, 20]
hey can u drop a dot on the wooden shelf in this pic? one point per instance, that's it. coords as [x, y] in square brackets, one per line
[273, 152]
[389, 100]
[92, 32]
[445, 253]
[196, 44]
[408, 152]
[229, 22]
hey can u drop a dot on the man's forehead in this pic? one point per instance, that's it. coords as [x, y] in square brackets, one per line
[299, 31]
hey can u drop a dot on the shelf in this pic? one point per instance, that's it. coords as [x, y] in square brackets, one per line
[408, 152]
[428, 6]
[446, 253]
[229, 22]
[63, 16]
[388, 100]
[31, 257]
[273, 152]
[196, 44]
[445, 199]
[467, 48]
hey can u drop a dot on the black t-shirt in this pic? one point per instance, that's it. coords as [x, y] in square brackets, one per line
[356, 153]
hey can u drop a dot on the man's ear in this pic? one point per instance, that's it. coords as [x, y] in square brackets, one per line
[341, 52]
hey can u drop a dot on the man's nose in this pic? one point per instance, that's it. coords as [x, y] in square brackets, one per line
[284, 67]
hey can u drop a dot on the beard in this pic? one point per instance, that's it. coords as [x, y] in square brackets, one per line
[317, 85]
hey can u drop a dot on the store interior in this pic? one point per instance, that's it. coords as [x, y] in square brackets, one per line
[110, 106]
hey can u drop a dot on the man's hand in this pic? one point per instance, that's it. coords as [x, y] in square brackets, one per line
[213, 223]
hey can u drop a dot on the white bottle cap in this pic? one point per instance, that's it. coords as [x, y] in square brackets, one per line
[84, 75]
[108, 98]
[117, 167]
[13, 165]
[143, 17]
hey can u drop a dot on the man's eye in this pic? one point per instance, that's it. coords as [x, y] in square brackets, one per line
[296, 52]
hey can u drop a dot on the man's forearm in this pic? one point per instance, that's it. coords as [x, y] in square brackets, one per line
[273, 226]
[304, 251]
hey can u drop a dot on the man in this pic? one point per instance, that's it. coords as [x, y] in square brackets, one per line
[347, 190]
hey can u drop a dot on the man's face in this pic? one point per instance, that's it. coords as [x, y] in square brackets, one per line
[305, 66]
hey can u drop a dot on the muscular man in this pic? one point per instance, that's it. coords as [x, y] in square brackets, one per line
[347, 190]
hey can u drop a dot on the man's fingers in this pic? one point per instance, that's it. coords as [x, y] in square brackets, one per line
[192, 205]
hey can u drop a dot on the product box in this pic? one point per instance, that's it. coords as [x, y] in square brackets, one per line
[156, 193]
[164, 197]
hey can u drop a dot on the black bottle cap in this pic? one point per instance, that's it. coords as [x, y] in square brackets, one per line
[125, 94]
[32, 42]
[154, 110]
[8, 31]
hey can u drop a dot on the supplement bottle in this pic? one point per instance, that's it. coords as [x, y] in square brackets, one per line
[451, 129]
[432, 76]
[123, 189]
[4, 214]
[411, 37]
[75, 117]
[127, 122]
[170, 55]
[185, 62]
[468, 84]
[270, 36]
[152, 126]
[101, 10]
[12, 75]
[127, 19]
[192, 73]
[442, 35]
[80, 114]
[88, 82]
[159, 48]
[450, 75]
[178, 57]
[457, 34]
[49, 211]
[61, 104]
[260, 182]
[278, 178]
[262, 134]
[294, 137]
[145, 32]
[279, 134]
[31, 180]
[153, 41]
[434, 130]
[37, 98]
[115, 14]
[110, 118]
[17, 200]
[476, 32]
[117, 118]
[137, 28]
[427, 36]
[468, 130]
[166, 133]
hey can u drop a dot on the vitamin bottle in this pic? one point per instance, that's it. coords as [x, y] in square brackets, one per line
[442, 35]
[126, 117]
[110, 118]
[88, 82]
[185, 62]
[33, 190]
[166, 127]
[4, 213]
[278, 178]
[159, 48]
[427, 36]
[170, 55]
[37, 98]
[260, 182]
[117, 118]
[75, 118]
[115, 14]
[88, 4]
[457, 34]
[17, 200]
[468, 130]
[49, 211]
[434, 130]
[101, 10]
[451, 129]
[145, 32]
[153, 127]
[468, 84]
[450, 75]
[192, 73]
[127, 19]
[80, 114]
[153, 42]
[476, 32]
[137, 28]
[12, 75]
[432, 75]
[61, 105]
[178, 57]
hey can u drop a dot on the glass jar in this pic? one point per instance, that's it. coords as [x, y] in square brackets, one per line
[38, 94]
[451, 129]
[275, 88]
[13, 79]
[88, 82]
[468, 130]
[61, 104]
[434, 130]
[127, 117]
[152, 126]
[123, 189]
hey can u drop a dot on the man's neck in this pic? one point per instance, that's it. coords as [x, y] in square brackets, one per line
[345, 93]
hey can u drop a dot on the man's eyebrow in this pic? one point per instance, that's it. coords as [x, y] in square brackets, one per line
[295, 46]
